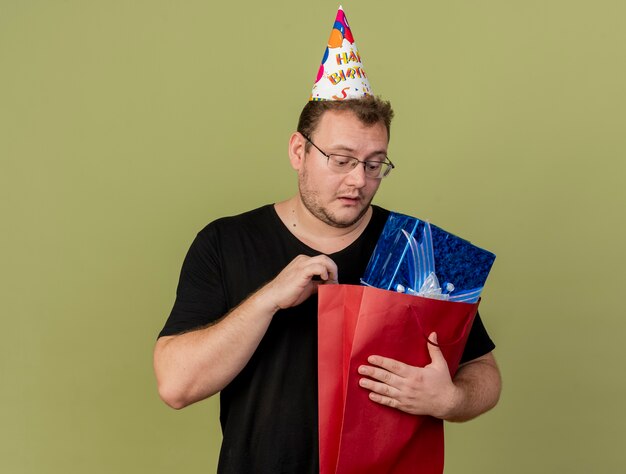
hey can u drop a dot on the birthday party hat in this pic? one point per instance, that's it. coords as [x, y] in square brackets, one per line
[341, 75]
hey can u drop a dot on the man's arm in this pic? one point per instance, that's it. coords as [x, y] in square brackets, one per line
[430, 390]
[193, 366]
[479, 386]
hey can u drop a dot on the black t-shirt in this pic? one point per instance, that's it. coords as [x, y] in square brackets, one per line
[268, 413]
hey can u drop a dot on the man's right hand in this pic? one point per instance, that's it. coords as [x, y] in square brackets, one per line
[297, 281]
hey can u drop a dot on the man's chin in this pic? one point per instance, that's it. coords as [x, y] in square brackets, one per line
[346, 217]
[335, 213]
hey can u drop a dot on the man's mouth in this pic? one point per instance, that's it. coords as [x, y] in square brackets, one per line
[349, 199]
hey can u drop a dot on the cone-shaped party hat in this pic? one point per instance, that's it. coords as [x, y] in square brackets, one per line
[341, 75]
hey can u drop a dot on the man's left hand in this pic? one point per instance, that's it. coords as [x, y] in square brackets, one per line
[417, 390]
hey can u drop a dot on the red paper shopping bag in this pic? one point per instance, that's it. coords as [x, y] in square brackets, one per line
[356, 435]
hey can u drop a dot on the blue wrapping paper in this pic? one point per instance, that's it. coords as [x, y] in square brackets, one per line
[416, 257]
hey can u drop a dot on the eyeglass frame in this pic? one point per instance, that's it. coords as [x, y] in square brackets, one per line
[387, 161]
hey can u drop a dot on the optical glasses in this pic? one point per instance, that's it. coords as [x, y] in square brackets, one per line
[345, 164]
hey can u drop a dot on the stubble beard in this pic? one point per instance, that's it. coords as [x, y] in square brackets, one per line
[310, 199]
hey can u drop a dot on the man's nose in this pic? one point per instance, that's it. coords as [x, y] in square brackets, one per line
[356, 177]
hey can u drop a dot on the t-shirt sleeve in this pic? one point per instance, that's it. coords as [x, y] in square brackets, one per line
[200, 297]
[478, 342]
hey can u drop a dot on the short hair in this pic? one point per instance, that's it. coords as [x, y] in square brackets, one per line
[368, 109]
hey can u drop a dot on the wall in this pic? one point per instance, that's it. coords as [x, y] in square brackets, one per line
[126, 126]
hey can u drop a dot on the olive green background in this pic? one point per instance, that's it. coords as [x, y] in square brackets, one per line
[126, 126]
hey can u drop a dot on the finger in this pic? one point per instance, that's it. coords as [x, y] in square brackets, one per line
[323, 272]
[380, 388]
[333, 272]
[388, 364]
[383, 400]
[381, 375]
[436, 356]
[315, 271]
[333, 276]
[330, 267]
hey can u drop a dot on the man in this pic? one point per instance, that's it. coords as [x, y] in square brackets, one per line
[245, 318]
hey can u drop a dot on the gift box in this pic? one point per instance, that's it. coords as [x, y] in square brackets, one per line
[413, 256]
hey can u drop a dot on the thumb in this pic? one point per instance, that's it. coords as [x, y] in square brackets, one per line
[436, 355]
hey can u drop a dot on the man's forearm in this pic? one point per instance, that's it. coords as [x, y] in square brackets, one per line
[193, 366]
[478, 387]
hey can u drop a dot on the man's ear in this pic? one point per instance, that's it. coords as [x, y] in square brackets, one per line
[297, 145]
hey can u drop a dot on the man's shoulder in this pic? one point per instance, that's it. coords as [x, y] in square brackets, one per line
[255, 217]
[380, 210]
[379, 215]
[253, 224]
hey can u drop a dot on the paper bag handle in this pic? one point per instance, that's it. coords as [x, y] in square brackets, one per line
[466, 329]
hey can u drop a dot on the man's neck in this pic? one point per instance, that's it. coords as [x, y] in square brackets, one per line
[315, 233]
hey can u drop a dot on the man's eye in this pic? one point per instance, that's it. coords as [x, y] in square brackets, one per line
[341, 161]
[373, 165]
